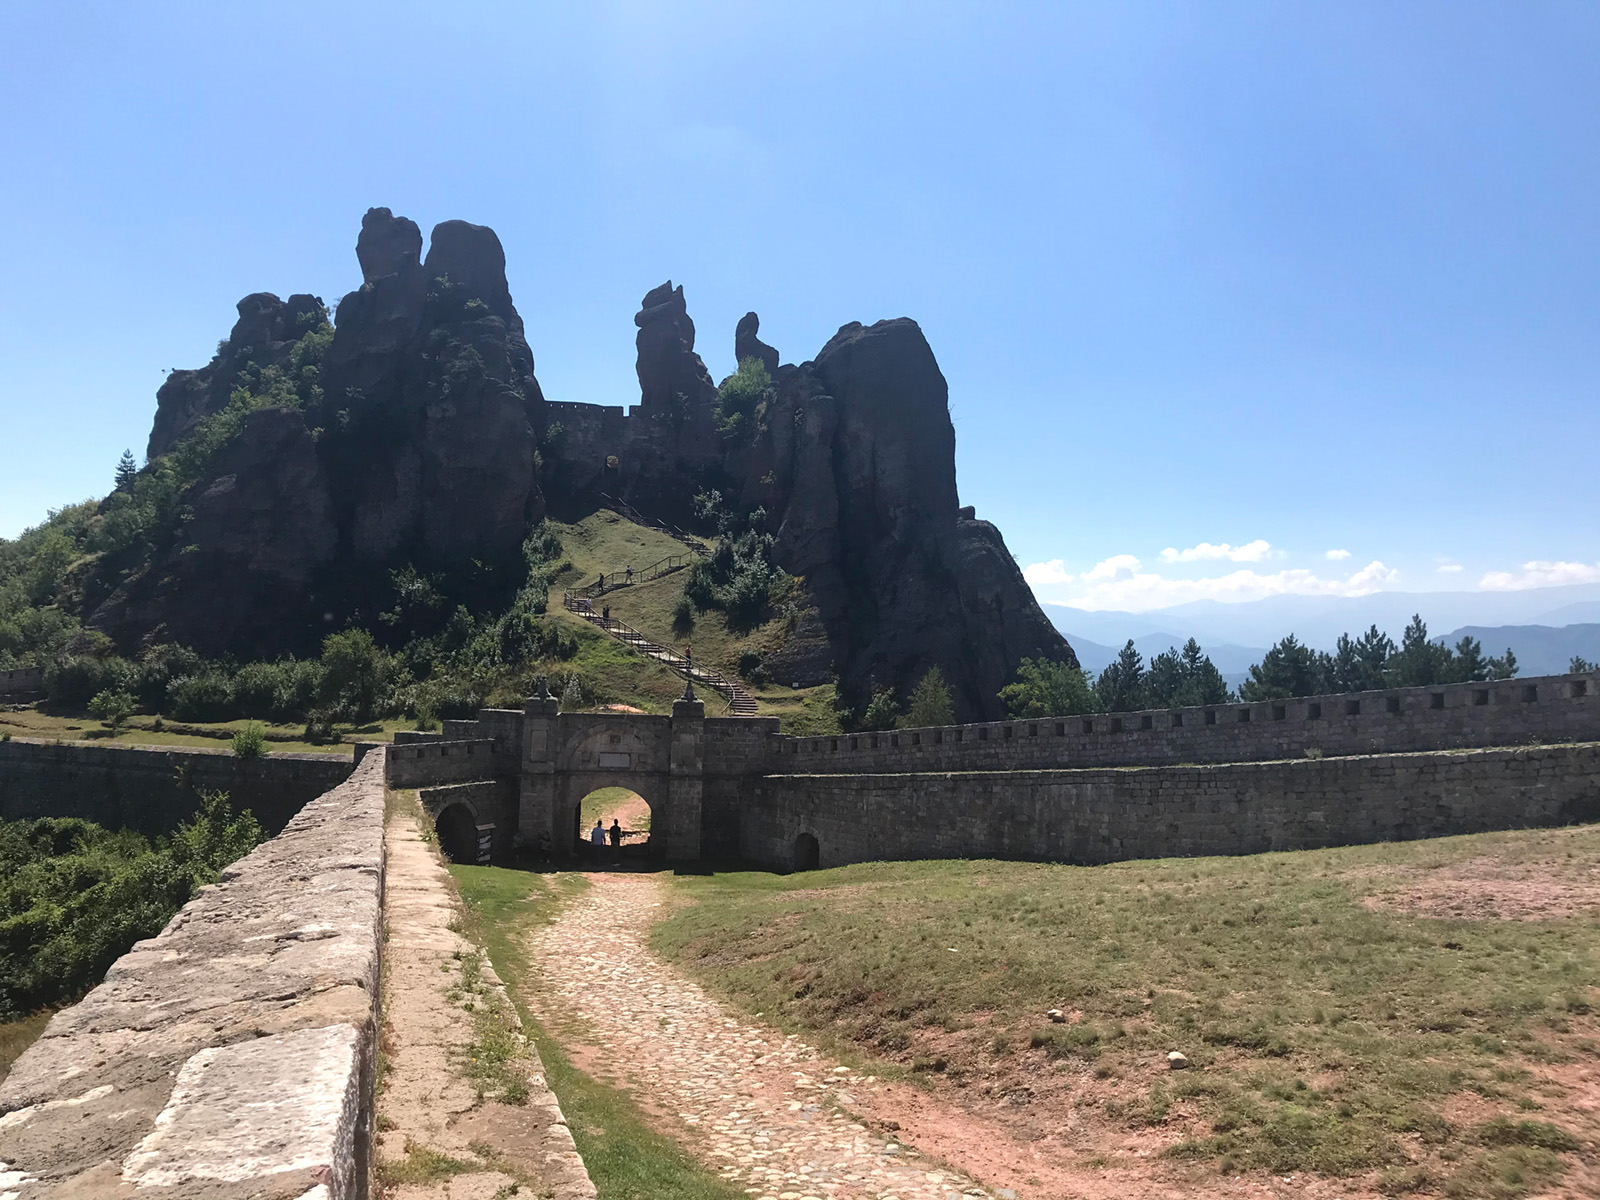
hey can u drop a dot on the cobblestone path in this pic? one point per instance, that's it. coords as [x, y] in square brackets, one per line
[762, 1107]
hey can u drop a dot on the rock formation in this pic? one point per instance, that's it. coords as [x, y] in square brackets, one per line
[415, 433]
[747, 345]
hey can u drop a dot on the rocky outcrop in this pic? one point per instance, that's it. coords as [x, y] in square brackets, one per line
[419, 435]
[671, 376]
[747, 345]
[411, 440]
[860, 453]
[388, 244]
[267, 329]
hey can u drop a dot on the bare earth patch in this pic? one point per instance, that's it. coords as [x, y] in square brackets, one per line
[1488, 889]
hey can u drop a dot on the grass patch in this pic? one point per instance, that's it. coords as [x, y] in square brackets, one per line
[626, 1158]
[1324, 1035]
[420, 1165]
[17, 1036]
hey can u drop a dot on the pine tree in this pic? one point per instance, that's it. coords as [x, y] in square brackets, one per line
[932, 702]
[1290, 668]
[127, 471]
[1121, 686]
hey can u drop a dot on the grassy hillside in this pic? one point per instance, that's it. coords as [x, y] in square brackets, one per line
[1417, 1015]
[606, 542]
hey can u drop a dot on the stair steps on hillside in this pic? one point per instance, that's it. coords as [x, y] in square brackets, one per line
[740, 702]
[623, 509]
[610, 581]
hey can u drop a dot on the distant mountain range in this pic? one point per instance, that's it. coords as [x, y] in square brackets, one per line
[1544, 627]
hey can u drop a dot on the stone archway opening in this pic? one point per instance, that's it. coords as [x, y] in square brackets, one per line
[623, 807]
[457, 828]
[807, 853]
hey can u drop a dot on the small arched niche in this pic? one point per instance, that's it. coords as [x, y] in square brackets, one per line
[807, 853]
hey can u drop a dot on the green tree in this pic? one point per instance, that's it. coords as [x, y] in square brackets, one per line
[127, 471]
[1504, 667]
[1121, 686]
[882, 711]
[113, 707]
[1419, 661]
[1580, 665]
[1289, 668]
[1044, 688]
[352, 672]
[1359, 664]
[1184, 678]
[932, 702]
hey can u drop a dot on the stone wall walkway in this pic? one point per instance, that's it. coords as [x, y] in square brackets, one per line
[447, 1126]
[765, 1108]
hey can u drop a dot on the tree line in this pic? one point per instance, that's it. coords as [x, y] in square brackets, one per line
[1187, 678]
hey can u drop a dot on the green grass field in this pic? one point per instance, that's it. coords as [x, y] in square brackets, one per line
[1331, 1025]
[140, 731]
[627, 1160]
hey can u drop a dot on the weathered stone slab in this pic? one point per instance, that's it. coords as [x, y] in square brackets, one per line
[231, 1055]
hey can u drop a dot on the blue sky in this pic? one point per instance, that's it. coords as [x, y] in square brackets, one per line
[1307, 295]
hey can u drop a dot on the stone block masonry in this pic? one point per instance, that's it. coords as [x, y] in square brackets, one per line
[1104, 815]
[153, 789]
[1510, 712]
[232, 1055]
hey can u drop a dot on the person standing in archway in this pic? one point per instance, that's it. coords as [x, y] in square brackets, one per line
[616, 839]
[597, 836]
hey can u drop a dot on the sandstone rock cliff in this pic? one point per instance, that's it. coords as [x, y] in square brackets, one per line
[415, 433]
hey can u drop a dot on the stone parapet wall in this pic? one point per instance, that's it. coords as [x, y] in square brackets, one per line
[21, 681]
[1558, 708]
[1104, 815]
[423, 764]
[232, 1055]
[152, 789]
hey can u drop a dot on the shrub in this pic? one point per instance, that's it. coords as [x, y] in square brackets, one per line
[882, 711]
[76, 896]
[683, 616]
[206, 696]
[75, 680]
[113, 708]
[319, 727]
[250, 742]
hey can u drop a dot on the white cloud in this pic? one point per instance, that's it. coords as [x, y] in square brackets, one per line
[1120, 582]
[1540, 574]
[1054, 571]
[1336, 555]
[1449, 568]
[1250, 552]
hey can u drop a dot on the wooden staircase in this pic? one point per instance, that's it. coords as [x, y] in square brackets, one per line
[740, 702]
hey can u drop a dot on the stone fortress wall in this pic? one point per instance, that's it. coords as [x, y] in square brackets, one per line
[1509, 712]
[1226, 779]
[152, 789]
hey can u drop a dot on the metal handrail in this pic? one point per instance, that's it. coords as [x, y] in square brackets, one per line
[737, 698]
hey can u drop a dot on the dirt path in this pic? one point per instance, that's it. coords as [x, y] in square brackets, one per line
[767, 1109]
[463, 1112]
